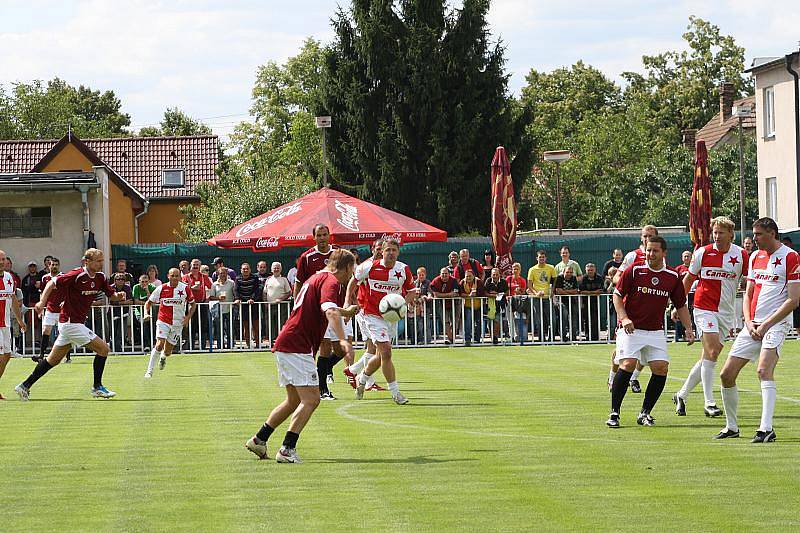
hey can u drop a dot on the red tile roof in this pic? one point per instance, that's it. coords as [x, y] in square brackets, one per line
[713, 132]
[138, 160]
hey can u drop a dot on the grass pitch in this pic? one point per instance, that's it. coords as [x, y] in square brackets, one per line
[495, 439]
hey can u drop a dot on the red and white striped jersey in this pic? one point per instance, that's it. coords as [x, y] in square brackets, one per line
[7, 295]
[771, 275]
[718, 278]
[172, 302]
[363, 288]
[381, 280]
[633, 258]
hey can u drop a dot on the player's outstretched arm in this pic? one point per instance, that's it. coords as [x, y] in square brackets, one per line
[349, 311]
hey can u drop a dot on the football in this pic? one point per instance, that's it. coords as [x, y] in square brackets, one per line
[393, 307]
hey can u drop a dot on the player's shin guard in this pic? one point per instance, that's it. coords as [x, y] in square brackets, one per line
[707, 375]
[42, 368]
[730, 400]
[768, 394]
[692, 380]
[98, 366]
[654, 389]
[618, 389]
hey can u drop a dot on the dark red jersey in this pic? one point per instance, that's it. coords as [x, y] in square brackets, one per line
[56, 296]
[310, 262]
[647, 292]
[79, 290]
[307, 323]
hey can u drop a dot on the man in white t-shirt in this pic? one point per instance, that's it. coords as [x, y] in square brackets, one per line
[277, 289]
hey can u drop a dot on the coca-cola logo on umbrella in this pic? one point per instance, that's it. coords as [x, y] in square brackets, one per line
[348, 215]
[271, 242]
[274, 217]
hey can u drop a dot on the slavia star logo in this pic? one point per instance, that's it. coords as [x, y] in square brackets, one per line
[733, 260]
[777, 262]
[398, 274]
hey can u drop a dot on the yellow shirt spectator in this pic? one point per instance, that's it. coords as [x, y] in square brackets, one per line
[540, 279]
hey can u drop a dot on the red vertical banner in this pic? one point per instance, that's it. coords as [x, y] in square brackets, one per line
[700, 204]
[504, 211]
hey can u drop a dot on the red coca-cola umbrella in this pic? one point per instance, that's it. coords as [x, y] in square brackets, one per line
[350, 220]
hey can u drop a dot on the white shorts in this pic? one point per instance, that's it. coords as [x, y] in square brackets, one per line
[168, 332]
[348, 331]
[711, 322]
[50, 319]
[646, 346]
[745, 347]
[74, 334]
[298, 369]
[377, 329]
[5, 341]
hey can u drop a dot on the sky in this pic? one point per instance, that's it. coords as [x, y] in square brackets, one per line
[202, 56]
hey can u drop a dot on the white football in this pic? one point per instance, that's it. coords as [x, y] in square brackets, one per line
[393, 307]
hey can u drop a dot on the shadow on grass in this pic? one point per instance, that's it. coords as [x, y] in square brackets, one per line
[114, 400]
[416, 460]
[455, 404]
[442, 390]
[207, 375]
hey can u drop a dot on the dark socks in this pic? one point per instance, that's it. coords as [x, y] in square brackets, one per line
[45, 343]
[654, 389]
[290, 440]
[332, 362]
[323, 369]
[99, 365]
[265, 432]
[42, 368]
[618, 388]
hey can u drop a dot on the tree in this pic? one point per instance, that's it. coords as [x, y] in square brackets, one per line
[176, 123]
[37, 110]
[419, 101]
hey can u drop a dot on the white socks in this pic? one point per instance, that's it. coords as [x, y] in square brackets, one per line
[153, 358]
[707, 375]
[394, 388]
[635, 374]
[768, 395]
[361, 364]
[730, 400]
[691, 381]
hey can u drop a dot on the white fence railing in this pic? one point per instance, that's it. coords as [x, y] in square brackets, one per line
[435, 322]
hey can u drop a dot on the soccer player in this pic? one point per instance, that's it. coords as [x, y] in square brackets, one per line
[773, 291]
[8, 305]
[171, 298]
[718, 266]
[52, 310]
[383, 277]
[352, 371]
[79, 286]
[632, 258]
[317, 306]
[309, 263]
[641, 297]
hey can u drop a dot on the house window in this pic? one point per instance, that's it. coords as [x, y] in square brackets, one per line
[772, 198]
[769, 112]
[173, 177]
[25, 222]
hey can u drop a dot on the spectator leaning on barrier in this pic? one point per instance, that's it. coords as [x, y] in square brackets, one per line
[198, 283]
[277, 289]
[518, 289]
[608, 288]
[422, 312]
[496, 289]
[471, 290]
[466, 263]
[120, 313]
[219, 263]
[445, 288]
[222, 296]
[591, 287]
[140, 293]
[540, 280]
[682, 270]
[250, 292]
[567, 262]
[566, 286]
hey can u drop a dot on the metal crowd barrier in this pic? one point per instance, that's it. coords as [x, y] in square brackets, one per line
[223, 326]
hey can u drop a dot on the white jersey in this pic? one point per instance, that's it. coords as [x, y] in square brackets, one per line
[718, 278]
[771, 274]
[632, 258]
[7, 295]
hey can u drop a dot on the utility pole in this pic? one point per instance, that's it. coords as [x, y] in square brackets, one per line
[324, 123]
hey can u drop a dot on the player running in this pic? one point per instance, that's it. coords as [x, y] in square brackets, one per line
[641, 297]
[633, 258]
[171, 298]
[773, 292]
[317, 306]
[8, 305]
[79, 286]
[719, 267]
[383, 277]
[51, 312]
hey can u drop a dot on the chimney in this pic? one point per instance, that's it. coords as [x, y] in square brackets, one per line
[726, 94]
[688, 138]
